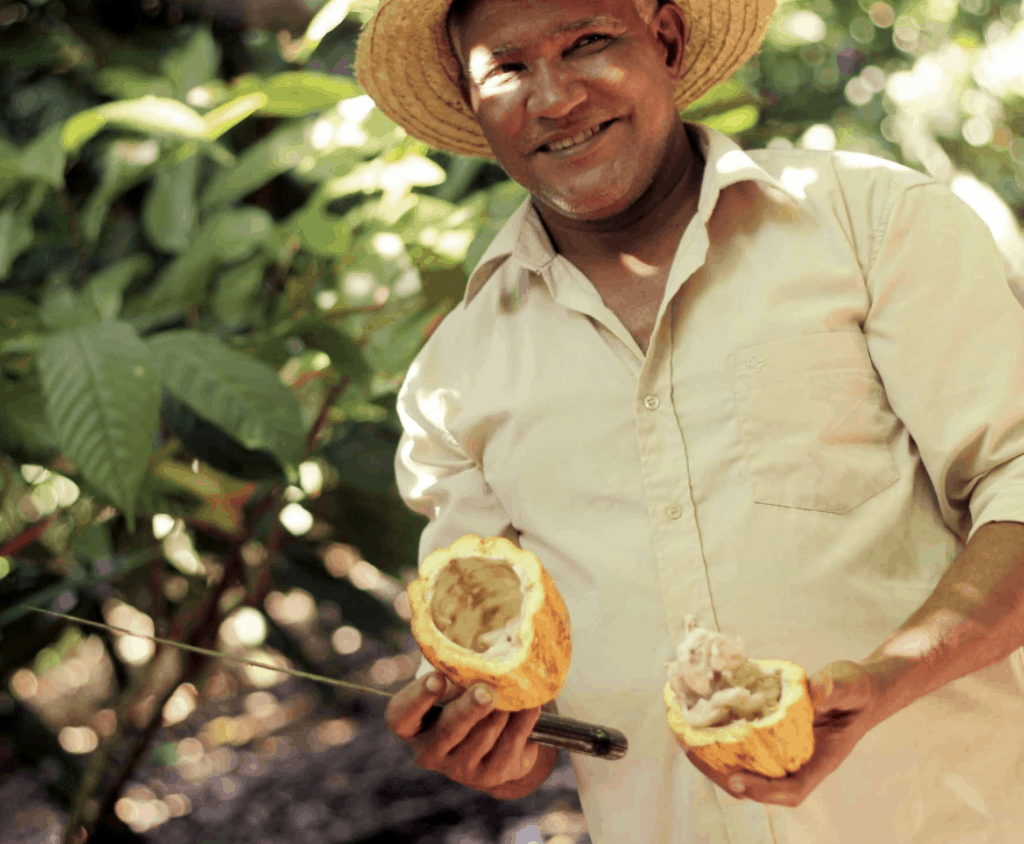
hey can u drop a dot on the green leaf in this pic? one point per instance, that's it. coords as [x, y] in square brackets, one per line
[16, 236]
[63, 307]
[10, 167]
[236, 233]
[277, 153]
[165, 754]
[103, 404]
[300, 92]
[198, 61]
[125, 83]
[157, 116]
[242, 396]
[363, 458]
[395, 178]
[330, 16]
[218, 153]
[94, 543]
[735, 121]
[44, 158]
[17, 316]
[81, 128]
[23, 422]
[208, 443]
[105, 289]
[148, 115]
[394, 345]
[505, 198]
[461, 173]
[346, 357]
[180, 283]
[125, 164]
[158, 495]
[232, 113]
[718, 96]
[236, 289]
[318, 230]
[502, 201]
[442, 227]
[170, 212]
[230, 236]
[121, 566]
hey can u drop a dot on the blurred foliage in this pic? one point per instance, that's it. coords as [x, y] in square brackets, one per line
[218, 259]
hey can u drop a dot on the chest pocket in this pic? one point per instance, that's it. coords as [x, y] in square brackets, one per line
[815, 423]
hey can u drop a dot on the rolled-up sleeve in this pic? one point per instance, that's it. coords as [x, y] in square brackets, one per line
[435, 475]
[947, 337]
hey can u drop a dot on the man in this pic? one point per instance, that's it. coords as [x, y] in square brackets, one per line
[780, 390]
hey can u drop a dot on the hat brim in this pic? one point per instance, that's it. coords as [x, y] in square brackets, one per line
[405, 63]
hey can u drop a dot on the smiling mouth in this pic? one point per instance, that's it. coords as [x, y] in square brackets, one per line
[589, 135]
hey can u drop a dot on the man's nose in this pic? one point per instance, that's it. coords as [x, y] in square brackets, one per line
[554, 92]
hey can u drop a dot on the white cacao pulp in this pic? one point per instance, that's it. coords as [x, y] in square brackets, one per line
[714, 682]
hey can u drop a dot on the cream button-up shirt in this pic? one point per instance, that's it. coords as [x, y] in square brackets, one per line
[831, 405]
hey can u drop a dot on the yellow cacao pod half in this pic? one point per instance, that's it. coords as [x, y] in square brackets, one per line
[485, 610]
[772, 746]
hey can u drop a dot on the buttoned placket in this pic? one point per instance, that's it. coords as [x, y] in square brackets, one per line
[682, 568]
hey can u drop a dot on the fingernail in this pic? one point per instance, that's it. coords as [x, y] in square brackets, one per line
[736, 784]
[482, 695]
[824, 683]
[433, 683]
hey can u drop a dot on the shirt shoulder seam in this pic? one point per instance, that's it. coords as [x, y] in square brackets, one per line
[882, 232]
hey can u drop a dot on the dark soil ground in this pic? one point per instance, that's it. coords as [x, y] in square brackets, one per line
[288, 788]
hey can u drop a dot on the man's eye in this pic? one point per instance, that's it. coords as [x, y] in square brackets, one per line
[503, 69]
[512, 67]
[586, 42]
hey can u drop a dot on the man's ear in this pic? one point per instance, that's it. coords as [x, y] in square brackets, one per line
[464, 89]
[453, 45]
[673, 32]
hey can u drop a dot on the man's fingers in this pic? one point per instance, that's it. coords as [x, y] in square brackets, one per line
[404, 713]
[513, 751]
[460, 717]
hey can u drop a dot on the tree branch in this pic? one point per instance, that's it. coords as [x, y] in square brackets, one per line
[206, 630]
[13, 546]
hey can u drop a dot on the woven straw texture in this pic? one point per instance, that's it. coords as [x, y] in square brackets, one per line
[405, 63]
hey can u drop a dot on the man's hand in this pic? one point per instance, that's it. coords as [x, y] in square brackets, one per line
[845, 695]
[471, 743]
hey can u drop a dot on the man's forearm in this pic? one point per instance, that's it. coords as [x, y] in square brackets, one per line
[973, 619]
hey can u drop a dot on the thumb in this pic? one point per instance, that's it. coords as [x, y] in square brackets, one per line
[835, 686]
[822, 687]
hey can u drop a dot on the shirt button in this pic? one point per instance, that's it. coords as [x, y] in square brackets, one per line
[652, 402]
[673, 511]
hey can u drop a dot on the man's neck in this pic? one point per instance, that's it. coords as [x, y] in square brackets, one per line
[648, 231]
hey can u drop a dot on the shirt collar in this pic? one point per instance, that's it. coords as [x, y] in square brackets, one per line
[524, 239]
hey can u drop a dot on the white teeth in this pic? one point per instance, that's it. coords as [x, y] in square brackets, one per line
[555, 146]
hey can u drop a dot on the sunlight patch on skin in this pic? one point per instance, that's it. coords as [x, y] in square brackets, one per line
[636, 266]
[971, 593]
[921, 641]
[480, 62]
[613, 74]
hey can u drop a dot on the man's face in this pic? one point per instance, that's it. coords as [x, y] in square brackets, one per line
[543, 70]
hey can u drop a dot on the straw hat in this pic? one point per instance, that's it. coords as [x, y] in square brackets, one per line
[405, 62]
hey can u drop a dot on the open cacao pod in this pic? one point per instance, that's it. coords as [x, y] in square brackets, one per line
[772, 746]
[484, 610]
